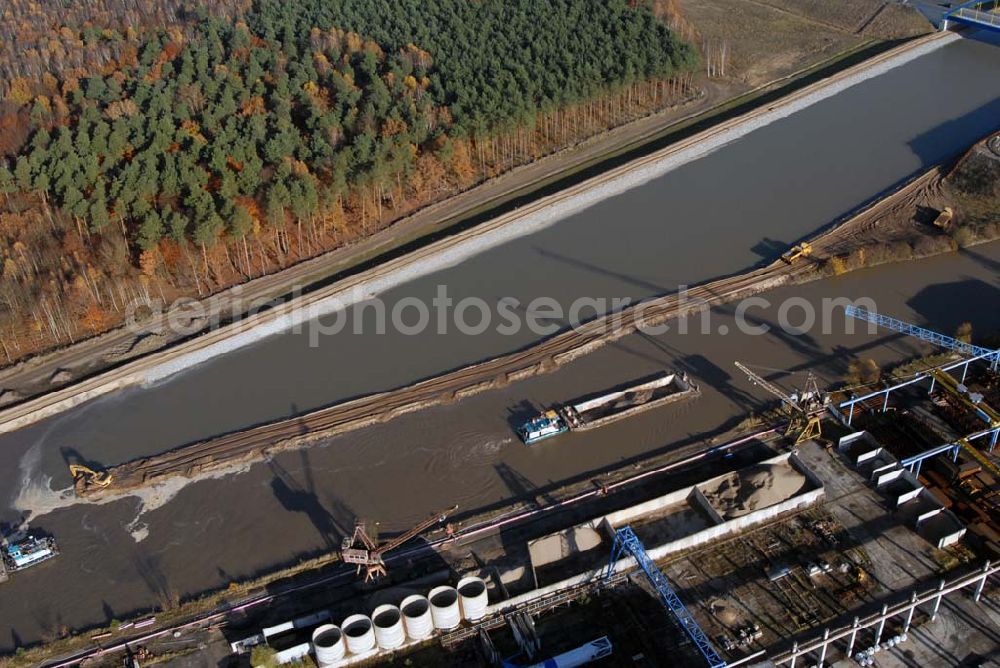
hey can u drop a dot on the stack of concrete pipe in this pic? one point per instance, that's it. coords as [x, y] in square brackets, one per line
[416, 618]
[360, 634]
[445, 608]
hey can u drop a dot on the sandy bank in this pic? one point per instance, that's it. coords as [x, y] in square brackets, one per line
[453, 250]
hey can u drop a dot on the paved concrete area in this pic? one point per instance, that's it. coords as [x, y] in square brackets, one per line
[899, 557]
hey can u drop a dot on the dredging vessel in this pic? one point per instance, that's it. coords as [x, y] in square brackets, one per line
[616, 404]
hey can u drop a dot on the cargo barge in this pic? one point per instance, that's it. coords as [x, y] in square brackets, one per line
[616, 404]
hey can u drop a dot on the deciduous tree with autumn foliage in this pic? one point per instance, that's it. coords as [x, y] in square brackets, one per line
[221, 145]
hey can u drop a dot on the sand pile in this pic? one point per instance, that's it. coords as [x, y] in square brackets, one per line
[725, 612]
[9, 397]
[581, 539]
[760, 486]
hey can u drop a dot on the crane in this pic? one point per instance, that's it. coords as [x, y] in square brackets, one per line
[626, 542]
[362, 550]
[972, 401]
[804, 425]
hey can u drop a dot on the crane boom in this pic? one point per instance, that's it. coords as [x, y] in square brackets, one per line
[804, 425]
[756, 379]
[415, 531]
[952, 386]
[626, 542]
[363, 551]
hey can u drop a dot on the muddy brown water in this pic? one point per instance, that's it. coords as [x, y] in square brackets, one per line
[712, 217]
[300, 504]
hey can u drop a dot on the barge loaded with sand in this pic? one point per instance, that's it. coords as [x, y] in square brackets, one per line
[616, 404]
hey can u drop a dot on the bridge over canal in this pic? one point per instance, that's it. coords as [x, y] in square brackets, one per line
[977, 14]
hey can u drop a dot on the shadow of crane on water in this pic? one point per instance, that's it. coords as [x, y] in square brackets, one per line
[301, 497]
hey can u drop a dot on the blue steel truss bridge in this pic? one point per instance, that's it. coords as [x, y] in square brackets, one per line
[977, 14]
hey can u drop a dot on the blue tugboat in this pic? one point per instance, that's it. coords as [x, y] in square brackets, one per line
[27, 552]
[544, 426]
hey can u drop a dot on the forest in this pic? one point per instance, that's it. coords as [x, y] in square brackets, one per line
[196, 149]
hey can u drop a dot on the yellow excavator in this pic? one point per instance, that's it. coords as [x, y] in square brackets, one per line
[943, 220]
[85, 477]
[803, 249]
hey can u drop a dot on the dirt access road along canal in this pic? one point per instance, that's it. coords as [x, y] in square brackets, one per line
[711, 217]
[217, 531]
[714, 216]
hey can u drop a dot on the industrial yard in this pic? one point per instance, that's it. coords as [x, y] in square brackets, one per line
[779, 548]
[762, 539]
[765, 542]
[876, 535]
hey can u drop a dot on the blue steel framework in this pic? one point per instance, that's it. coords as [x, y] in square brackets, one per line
[627, 541]
[978, 14]
[850, 403]
[986, 354]
[913, 463]
[924, 334]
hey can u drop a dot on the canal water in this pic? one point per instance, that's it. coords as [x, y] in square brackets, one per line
[116, 560]
[730, 210]
[737, 207]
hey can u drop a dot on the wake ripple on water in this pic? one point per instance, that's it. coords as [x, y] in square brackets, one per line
[36, 498]
[471, 459]
[469, 456]
[476, 449]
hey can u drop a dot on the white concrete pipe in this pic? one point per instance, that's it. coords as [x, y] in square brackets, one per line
[328, 644]
[389, 633]
[417, 617]
[359, 633]
[444, 608]
[472, 592]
